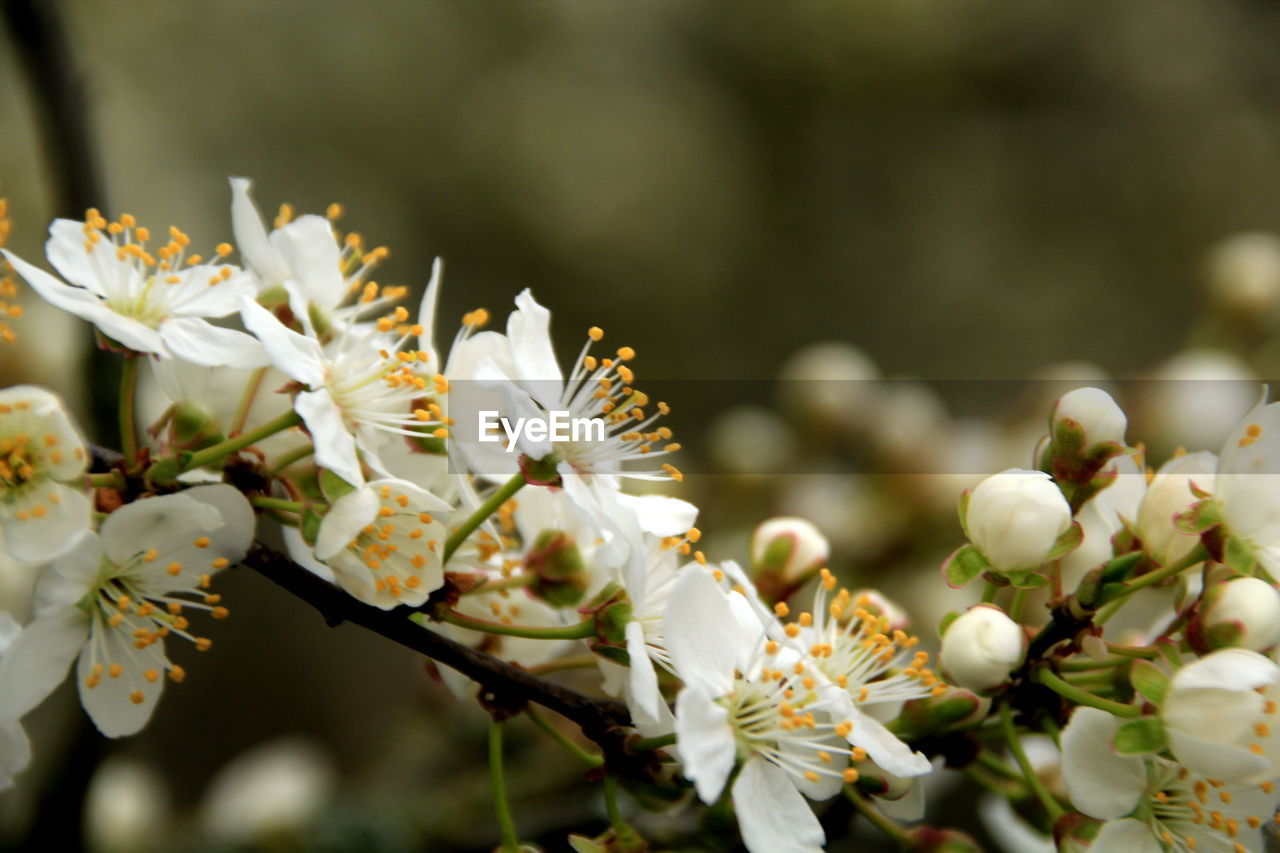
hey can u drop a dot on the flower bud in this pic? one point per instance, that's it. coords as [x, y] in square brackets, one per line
[1241, 612]
[1015, 518]
[1094, 412]
[981, 647]
[1168, 496]
[878, 604]
[561, 572]
[831, 383]
[928, 839]
[791, 548]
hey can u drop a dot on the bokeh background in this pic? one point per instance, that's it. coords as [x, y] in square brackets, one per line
[972, 191]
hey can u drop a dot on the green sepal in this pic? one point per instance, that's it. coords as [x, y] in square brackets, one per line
[1067, 542]
[1149, 680]
[309, 526]
[333, 486]
[1199, 517]
[1025, 579]
[1239, 555]
[946, 621]
[1139, 737]
[1120, 568]
[962, 509]
[964, 564]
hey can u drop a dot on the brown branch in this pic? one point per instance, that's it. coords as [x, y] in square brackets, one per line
[507, 688]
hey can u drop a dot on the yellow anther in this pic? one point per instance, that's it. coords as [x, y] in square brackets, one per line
[201, 542]
[177, 674]
[595, 333]
[781, 609]
[115, 670]
[203, 644]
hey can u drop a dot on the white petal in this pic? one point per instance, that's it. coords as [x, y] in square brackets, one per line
[1101, 783]
[1125, 836]
[312, 256]
[251, 236]
[335, 445]
[427, 315]
[343, 521]
[644, 680]
[301, 553]
[66, 251]
[529, 330]
[885, 749]
[15, 752]
[193, 295]
[38, 659]
[38, 540]
[57, 293]
[1217, 760]
[1228, 669]
[661, 515]
[293, 354]
[205, 344]
[701, 631]
[162, 523]
[111, 703]
[134, 334]
[772, 815]
[705, 741]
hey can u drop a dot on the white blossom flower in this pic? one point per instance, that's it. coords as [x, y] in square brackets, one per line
[1103, 516]
[114, 598]
[358, 381]
[41, 453]
[981, 647]
[1151, 804]
[522, 364]
[1169, 495]
[268, 792]
[752, 700]
[1015, 518]
[1094, 412]
[869, 667]
[1247, 484]
[155, 302]
[325, 281]
[385, 543]
[1220, 716]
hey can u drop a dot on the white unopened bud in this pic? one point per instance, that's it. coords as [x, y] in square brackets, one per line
[1093, 410]
[127, 809]
[272, 790]
[1015, 517]
[1241, 613]
[791, 547]
[982, 647]
[1169, 495]
[878, 604]
[1244, 273]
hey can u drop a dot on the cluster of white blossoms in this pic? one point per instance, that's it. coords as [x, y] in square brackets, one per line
[1126, 613]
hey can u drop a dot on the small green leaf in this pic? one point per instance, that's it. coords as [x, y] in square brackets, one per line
[1139, 737]
[963, 509]
[1149, 680]
[1067, 542]
[965, 564]
[1026, 579]
[1239, 556]
[310, 526]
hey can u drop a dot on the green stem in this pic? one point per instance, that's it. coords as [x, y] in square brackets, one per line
[649, 744]
[989, 591]
[1082, 697]
[109, 480]
[507, 825]
[486, 509]
[1015, 608]
[998, 767]
[128, 415]
[628, 838]
[246, 401]
[1034, 782]
[262, 502]
[222, 449]
[876, 818]
[284, 460]
[562, 739]
[570, 632]
[1196, 555]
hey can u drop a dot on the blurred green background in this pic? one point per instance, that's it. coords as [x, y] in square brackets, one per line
[975, 190]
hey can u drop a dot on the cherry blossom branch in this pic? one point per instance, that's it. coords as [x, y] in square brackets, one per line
[507, 688]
